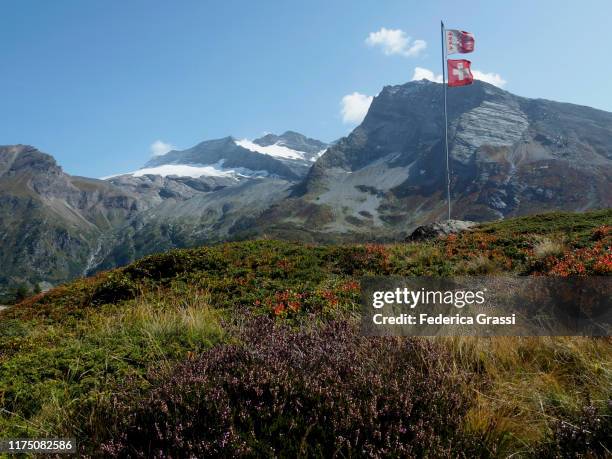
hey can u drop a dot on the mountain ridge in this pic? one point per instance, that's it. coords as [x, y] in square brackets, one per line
[510, 156]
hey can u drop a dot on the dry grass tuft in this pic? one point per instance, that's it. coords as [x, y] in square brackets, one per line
[546, 247]
[480, 264]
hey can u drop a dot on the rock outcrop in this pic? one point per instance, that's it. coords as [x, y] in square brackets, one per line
[437, 229]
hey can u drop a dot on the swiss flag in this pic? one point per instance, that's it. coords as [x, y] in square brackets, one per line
[459, 41]
[459, 73]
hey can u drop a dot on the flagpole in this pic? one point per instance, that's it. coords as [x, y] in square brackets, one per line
[445, 119]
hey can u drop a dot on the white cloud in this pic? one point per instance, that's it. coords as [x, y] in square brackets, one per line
[355, 107]
[395, 41]
[492, 78]
[425, 74]
[159, 148]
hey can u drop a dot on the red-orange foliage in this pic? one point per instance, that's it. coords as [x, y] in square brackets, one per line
[596, 259]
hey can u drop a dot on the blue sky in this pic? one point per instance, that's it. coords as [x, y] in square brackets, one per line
[96, 83]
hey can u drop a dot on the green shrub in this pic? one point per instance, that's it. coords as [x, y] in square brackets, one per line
[117, 287]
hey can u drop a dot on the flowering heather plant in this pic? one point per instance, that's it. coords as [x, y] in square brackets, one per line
[325, 391]
[588, 436]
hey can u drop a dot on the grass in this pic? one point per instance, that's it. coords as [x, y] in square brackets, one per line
[65, 354]
[524, 385]
[546, 247]
[61, 374]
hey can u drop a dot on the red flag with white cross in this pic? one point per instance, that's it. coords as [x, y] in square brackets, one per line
[459, 73]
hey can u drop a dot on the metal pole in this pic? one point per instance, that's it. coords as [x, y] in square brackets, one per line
[445, 119]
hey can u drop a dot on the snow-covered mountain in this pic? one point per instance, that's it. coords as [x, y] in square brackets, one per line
[288, 156]
[291, 145]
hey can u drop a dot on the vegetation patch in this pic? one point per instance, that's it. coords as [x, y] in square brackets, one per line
[250, 347]
[302, 393]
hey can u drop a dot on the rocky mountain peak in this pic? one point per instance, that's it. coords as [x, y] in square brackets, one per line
[509, 156]
[294, 141]
[19, 159]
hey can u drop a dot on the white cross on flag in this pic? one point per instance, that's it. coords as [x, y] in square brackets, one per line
[459, 41]
[459, 73]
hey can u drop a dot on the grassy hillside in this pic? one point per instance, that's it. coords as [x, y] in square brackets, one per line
[252, 348]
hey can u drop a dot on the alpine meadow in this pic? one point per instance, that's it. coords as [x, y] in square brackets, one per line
[318, 229]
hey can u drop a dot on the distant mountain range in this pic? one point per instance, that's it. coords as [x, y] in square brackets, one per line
[509, 156]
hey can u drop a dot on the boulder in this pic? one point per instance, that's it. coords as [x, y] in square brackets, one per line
[436, 229]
